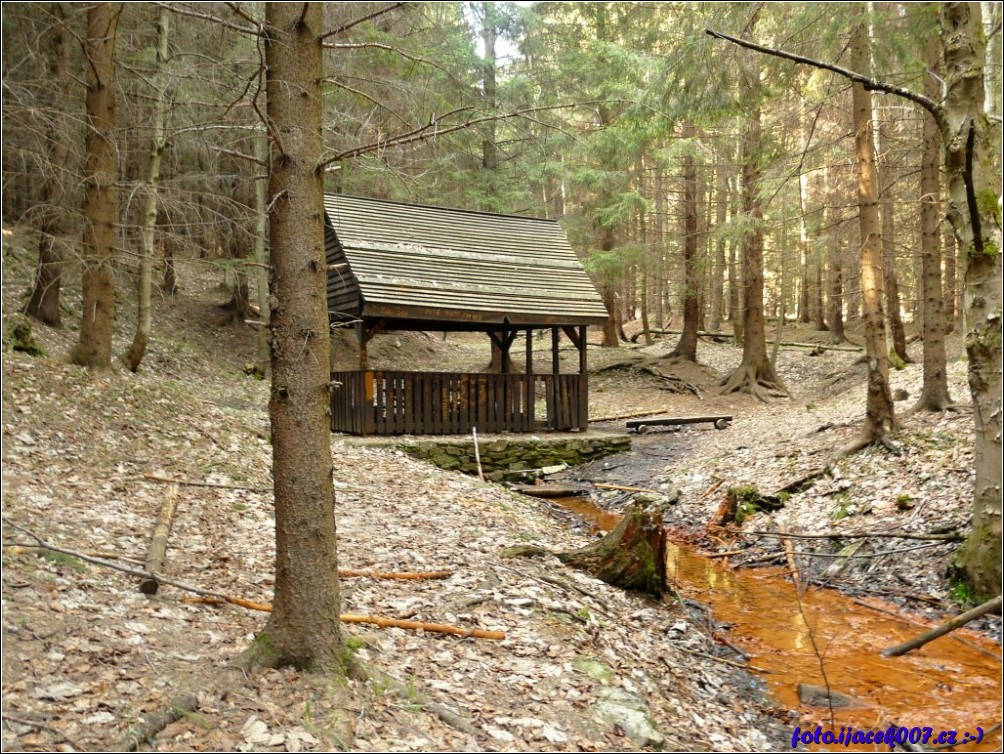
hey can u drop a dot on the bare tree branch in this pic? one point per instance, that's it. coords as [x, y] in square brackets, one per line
[436, 128]
[184, 11]
[391, 48]
[238, 10]
[365, 96]
[870, 84]
[243, 156]
[361, 19]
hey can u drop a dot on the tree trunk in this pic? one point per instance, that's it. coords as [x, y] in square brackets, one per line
[158, 142]
[835, 284]
[754, 375]
[170, 283]
[819, 307]
[303, 629]
[804, 315]
[934, 395]
[975, 216]
[261, 255]
[686, 348]
[879, 416]
[735, 288]
[608, 293]
[43, 303]
[951, 294]
[94, 347]
[718, 270]
[888, 212]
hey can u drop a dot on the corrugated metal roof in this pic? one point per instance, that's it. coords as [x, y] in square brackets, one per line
[413, 259]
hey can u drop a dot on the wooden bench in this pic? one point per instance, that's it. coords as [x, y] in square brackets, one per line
[641, 425]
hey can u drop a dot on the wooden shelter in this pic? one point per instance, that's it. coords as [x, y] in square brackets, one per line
[394, 266]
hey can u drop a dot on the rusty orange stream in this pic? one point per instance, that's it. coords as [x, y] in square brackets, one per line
[945, 685]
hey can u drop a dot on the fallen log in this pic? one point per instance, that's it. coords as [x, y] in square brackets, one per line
[156, 722]
[551, 490]
[622, 488]
[632, 556]
[945, 628]
[158, 542]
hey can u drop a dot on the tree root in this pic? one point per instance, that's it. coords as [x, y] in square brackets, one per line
[760, 383]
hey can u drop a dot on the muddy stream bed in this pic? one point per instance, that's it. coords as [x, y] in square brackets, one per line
[950, 684]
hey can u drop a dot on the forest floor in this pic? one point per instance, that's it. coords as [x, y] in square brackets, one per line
[88, 459]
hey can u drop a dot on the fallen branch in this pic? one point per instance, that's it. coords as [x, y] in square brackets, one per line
[723, 660]
[800, 483]
[375, 620]
[19, 549]
[414, 625]
[156, 722]
[711, 489]
[975, 647]
[42, 726]
[789, 554]
[852, 535]
[868, 556]
[944, 628]
[444, 713]
[158, 543]
[621, 488]
[211, 485]
[210, 595]
[727, 554]
[349, 574]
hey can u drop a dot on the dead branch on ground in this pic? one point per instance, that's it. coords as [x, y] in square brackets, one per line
[211, 485]
[348, 574]
[158, 542]
[156, 722]
[944, 628]
[211, 597]
[851, 535]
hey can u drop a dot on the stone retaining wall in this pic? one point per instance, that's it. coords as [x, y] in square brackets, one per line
[500, 456]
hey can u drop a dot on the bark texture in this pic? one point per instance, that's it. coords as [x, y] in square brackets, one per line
[94, 347]
[934, 395]
[303, 629]
[975, 215]
[43, 304]
[755, 374]
[879, 416]
[144, 314]
[686, 348]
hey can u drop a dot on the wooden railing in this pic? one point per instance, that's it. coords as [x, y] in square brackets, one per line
[446, 403]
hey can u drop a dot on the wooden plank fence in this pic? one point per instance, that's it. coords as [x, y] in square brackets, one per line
[376, 402]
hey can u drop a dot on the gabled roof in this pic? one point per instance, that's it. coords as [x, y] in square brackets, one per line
[433, 264]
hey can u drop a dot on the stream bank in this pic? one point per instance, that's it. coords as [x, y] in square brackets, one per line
[808, 635]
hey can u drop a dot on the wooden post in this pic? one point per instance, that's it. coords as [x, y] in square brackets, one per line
[555, 361]
[583, 381]
[363, 340]
[506, 343]
[529, 350]
[582, 349]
